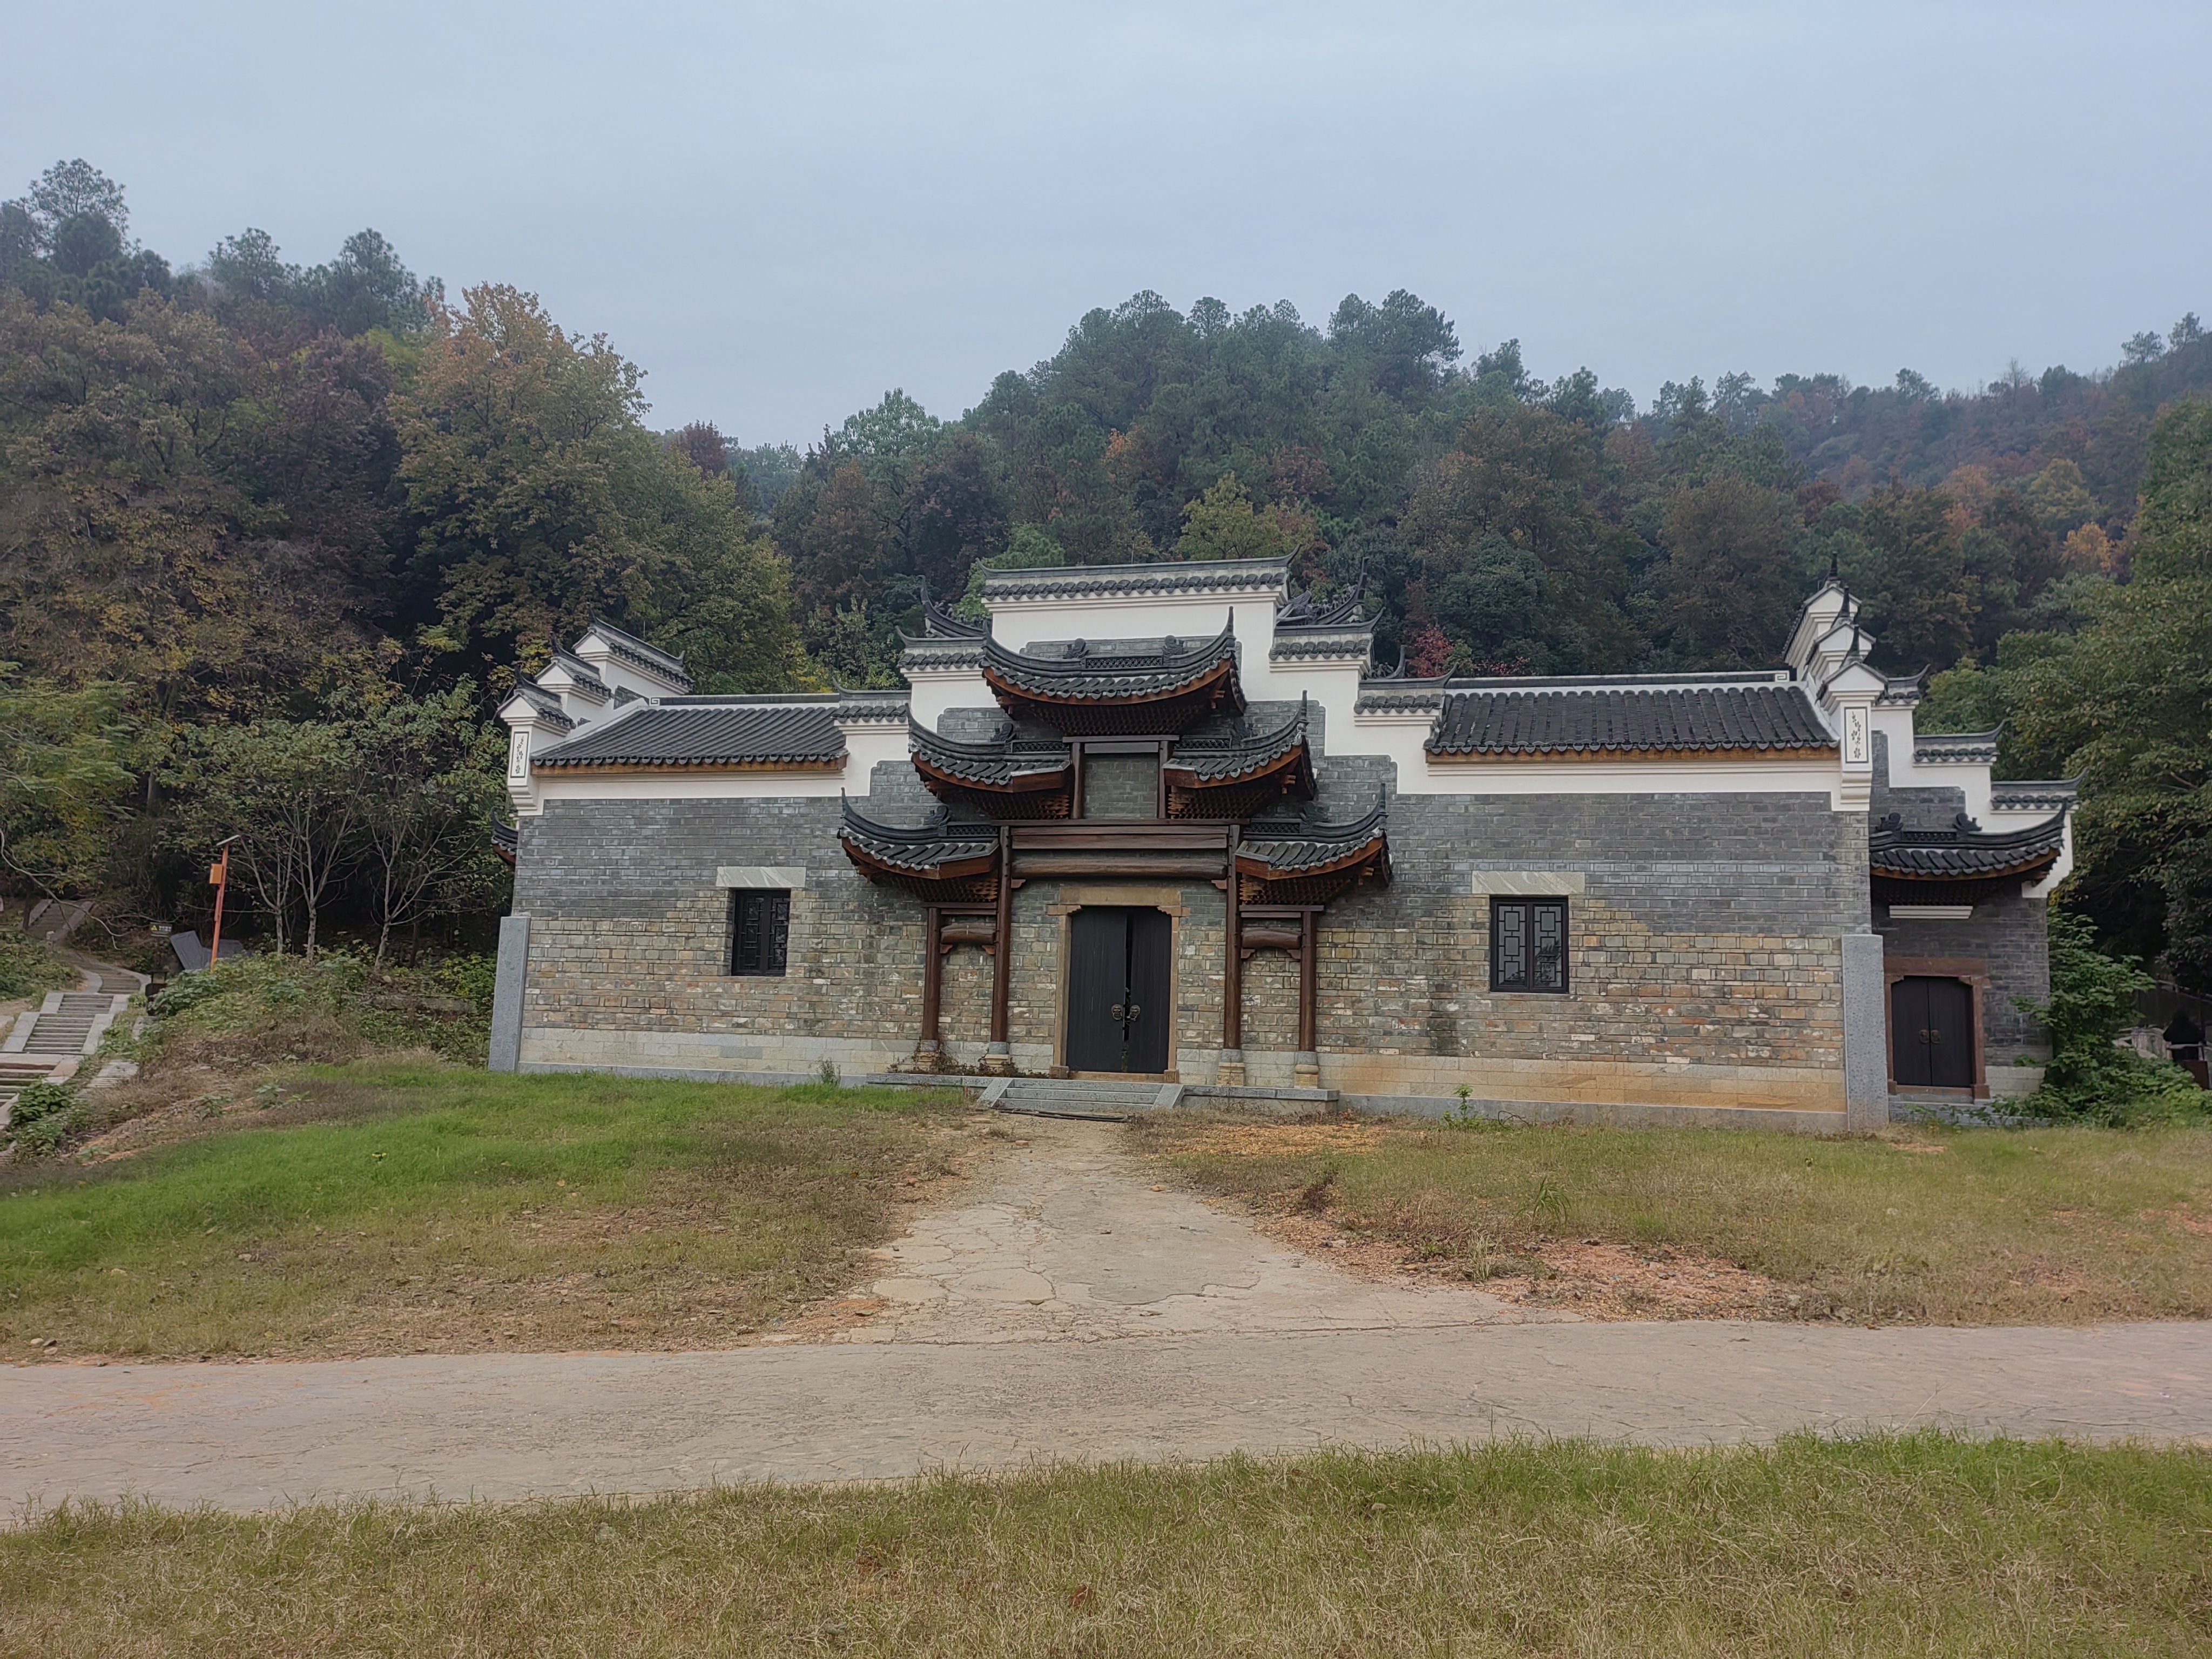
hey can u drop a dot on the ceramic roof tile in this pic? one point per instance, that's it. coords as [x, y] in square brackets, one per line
[1710, 715]
[708, 732]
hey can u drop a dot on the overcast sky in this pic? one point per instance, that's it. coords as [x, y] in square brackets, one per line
[781, 212]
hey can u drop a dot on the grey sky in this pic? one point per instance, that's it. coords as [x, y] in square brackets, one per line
[781, 212]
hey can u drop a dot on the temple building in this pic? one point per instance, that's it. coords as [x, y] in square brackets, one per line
[1164, 826]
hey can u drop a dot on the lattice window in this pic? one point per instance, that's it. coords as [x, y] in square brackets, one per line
[760, 932]
[1529, 944]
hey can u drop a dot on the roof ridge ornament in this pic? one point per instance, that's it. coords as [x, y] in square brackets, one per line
[941, 622]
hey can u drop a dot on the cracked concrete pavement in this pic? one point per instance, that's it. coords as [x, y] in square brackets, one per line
[1066, 1307]
[1067, 1237]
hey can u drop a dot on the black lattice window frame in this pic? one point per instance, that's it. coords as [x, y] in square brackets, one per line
[763, 953]
[1528, 908]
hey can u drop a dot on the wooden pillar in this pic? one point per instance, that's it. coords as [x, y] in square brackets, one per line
[1232, 979]
[1075, 778]
[933, 979]
[1307, 972]
[1001, 1055]
[1306, 1068]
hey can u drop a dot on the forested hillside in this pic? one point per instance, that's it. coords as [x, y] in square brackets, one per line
[267, 527]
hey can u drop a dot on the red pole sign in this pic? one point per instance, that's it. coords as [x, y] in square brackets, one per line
[219, 878]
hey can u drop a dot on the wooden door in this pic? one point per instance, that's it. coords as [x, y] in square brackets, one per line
[1932, 1033]
[1117, 990]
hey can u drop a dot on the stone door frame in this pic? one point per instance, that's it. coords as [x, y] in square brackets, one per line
[1169, 900]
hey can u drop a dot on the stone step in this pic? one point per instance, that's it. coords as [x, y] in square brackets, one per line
[1112, 1102]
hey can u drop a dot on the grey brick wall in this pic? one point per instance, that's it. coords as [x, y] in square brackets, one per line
[1706, 939]
[2008, 933]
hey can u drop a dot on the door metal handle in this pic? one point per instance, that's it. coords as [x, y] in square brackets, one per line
[1134, 1012]
[1117, 1013]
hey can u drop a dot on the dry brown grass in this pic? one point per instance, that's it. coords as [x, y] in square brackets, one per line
[1914, 1545]
[2058, 1226]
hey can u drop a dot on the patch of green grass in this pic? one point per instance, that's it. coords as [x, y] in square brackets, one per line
[1918, 1544]
[1982, 1226]
[393, 1208]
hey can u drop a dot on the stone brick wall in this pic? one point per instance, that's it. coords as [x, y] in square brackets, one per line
[1704, 961]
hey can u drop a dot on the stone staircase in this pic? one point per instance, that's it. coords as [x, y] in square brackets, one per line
[49, 1043]
[1103, 1102]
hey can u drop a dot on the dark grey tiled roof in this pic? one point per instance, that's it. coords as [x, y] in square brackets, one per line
[1077, 582]
[638, 653]
[939, 656]
[1941, 748]
[994, 762]
[2032, 795]
[1294, 642]
[1653, 714]
[1112, 669]
[710, 731]
[923, 847]
[1230, 752]
[1904, 690]
[544, 704]
[1290, 848]
[587, 676]
[1961, 851]
[1391, 694]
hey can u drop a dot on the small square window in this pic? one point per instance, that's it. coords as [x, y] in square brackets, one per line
[1529, 944]
[760, 930]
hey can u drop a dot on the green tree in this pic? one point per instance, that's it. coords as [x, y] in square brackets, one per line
[430, 779]
[2127, 701]
[292, 793]
[1224, 524]
[540, 499]
[2092, 1004]
[1736, 586]
[62, 768]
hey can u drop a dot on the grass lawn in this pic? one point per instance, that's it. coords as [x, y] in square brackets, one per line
[1919, 1544]
[1983, 1226]
[394, 1207]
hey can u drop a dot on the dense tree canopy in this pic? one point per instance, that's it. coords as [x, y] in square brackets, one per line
[246, 490]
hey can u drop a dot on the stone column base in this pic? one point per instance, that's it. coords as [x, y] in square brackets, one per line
[999, 1060]
[1306, 1071]
[1231, 1075]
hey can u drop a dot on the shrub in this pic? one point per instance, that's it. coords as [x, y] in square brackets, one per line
[2091, 1078]
[41, 1116]
[27, 968]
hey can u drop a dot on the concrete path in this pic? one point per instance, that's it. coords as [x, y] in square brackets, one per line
[1070, 1307]
[1064, 1236]
[505, 1426]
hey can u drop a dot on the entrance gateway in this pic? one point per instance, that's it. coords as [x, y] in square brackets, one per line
[1117, 990]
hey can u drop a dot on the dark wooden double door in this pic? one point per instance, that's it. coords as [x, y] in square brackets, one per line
[1931, 1034]
[1117, 990]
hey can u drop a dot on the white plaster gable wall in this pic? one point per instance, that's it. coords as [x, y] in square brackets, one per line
[935, 692]
[579, 701]
[1973, 780]
[619, 673]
